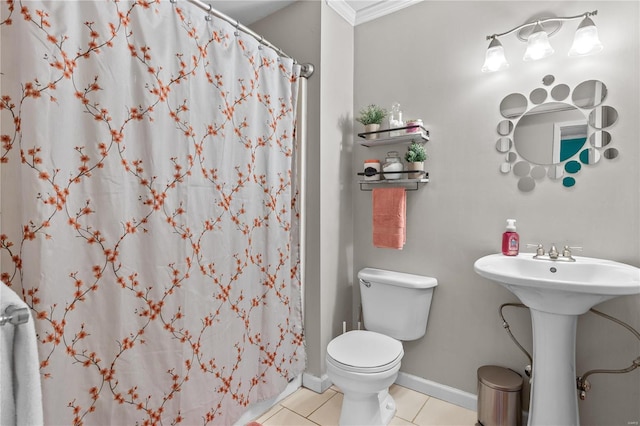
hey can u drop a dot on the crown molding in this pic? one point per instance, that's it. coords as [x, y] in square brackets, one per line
[344, 10]
[368, 13]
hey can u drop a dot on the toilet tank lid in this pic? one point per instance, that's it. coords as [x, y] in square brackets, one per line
[400, 279]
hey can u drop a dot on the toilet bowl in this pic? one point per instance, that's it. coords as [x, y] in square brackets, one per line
[364, 363]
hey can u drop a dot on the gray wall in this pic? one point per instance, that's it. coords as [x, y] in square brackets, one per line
[428, 58]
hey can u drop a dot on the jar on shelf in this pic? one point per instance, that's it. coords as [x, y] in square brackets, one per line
[392, 163]
[414, 126]
[372, 169]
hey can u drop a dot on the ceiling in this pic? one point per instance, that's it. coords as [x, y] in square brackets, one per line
[353, 11]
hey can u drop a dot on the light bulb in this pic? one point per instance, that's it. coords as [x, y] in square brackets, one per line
[586, 40]
[538, 46]
[495, 59]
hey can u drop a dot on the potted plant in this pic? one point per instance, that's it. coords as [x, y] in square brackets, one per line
[371, 117]
[415, 157]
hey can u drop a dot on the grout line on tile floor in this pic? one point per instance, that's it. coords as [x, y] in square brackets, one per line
[321, 405]
[420, 409]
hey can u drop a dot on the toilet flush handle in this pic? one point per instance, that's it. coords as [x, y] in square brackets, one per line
[366, 283]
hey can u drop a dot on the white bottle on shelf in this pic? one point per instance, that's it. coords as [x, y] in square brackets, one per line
[395, 120]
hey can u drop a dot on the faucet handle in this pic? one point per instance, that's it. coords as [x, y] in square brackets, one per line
[566, 252]
[539, 249]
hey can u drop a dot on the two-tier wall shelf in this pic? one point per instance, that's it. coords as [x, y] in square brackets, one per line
[384, 138]
[419, 135]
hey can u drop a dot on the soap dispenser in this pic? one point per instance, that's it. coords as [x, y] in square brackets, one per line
[510, 239]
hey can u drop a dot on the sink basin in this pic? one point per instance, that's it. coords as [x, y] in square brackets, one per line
[557, 292]
[569, 288]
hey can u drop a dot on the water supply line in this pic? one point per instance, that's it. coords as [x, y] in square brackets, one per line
[583, 384]
[505, 325]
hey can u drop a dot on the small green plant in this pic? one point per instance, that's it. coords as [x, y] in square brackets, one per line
[415, 153]
[371, 114]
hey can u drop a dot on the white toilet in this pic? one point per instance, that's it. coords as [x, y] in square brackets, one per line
[363, 364]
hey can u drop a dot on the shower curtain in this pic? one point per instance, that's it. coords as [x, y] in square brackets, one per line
[150, 209]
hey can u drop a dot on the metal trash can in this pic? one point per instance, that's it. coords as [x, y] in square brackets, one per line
[499, 396]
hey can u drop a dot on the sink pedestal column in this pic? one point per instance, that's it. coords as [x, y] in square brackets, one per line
[554, 399]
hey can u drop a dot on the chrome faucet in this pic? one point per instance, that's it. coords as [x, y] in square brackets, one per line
[553, 253]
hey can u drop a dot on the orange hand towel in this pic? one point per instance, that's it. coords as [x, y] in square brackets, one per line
[389, 217]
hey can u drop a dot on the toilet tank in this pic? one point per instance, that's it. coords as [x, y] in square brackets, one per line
[395, 303]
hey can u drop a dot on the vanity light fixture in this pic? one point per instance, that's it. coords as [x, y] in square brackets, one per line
[495, 59]
[586, 41]
[538, 46]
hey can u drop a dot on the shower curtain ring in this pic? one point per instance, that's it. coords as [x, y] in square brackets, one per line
[208, 16]
[237, 31]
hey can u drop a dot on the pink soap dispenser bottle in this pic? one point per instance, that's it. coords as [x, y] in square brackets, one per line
[510, 239]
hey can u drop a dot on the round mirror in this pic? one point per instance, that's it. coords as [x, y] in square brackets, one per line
[610, 153]
[572, 166]
[538, 96]
[503, 144]
[505, 127]
[521, 168]
[555, 172]
[526, 184]
[538, 172]
[545, 133]
[560, 92]
[513, 105]
[603, 117]
[589, 156]
[600, 139]
[550, 133]
[589, 94]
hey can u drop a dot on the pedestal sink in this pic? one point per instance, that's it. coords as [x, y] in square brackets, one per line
[557, 292]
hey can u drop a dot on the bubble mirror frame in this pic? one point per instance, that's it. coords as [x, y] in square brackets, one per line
[577, 125]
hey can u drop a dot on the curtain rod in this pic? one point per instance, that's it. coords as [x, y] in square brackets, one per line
[307, 69]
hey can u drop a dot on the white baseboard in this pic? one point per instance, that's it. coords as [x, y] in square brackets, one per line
[316, 384]
[418, 384]
[437, 390]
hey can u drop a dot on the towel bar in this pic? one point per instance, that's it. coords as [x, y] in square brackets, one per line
[409, 184]
[14, 315]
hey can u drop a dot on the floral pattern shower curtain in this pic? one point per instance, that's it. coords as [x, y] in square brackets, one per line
[149, 209]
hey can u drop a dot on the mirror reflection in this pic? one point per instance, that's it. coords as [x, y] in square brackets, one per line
[600, 139]
[589, 94]
[513, 106]
[555, 132]
[503, 144]
[560, 92]
[603, 117]
[550, 133]
[538, 96]
[505, 127]
[610, 153]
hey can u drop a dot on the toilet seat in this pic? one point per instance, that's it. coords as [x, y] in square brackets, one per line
[362, 351]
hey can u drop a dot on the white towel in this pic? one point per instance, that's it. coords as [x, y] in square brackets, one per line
[20, 391]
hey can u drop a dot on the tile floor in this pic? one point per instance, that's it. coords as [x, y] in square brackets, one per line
[307, 408]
